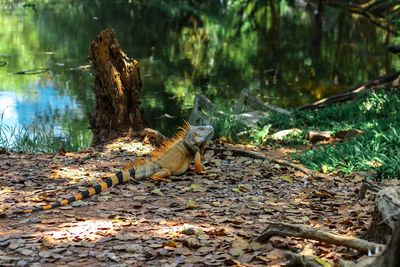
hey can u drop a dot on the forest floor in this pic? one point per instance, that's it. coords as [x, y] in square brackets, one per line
[196, 220]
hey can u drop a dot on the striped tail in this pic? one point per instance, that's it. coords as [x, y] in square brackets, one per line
[118, 178]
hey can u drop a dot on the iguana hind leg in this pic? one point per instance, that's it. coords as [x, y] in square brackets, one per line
[161, 175]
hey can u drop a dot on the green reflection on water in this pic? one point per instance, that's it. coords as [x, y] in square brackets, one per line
[214, 47]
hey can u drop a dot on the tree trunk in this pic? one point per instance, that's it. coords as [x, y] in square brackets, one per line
[117, 87]
[386, 214]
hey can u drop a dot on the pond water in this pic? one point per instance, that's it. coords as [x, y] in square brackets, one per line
[217, 48]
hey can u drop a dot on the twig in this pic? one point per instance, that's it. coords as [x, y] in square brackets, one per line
[307, 232]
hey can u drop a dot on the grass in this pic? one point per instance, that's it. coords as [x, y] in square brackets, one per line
[36, 139]
[377, 149]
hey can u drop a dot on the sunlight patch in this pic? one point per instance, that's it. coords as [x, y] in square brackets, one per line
[91, 230]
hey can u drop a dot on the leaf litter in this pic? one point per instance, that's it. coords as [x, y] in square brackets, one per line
[196, 220]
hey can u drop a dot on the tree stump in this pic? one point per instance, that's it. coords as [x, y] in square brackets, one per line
[117, 87]
[386, 218]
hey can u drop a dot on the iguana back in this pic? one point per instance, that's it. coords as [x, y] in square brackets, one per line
[173, 158]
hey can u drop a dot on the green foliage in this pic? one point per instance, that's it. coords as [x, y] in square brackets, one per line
[38, 139]
[259, 135]
[378, 148]
[215, 47]
[228, 126]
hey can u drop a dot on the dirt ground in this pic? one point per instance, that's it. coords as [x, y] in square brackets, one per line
[196, 220]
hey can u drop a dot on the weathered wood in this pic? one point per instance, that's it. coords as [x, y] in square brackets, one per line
[386, 217]
[388, 258]
[307, 232]
[117, 87]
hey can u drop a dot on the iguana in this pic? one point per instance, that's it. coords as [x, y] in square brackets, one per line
[173, 158]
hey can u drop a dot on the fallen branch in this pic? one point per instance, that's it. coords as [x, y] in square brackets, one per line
[255, 155]
[307, 232]
[351, 94]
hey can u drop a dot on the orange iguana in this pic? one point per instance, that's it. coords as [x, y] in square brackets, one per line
[173, 158]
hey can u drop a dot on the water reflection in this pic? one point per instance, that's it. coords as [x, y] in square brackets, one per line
[43, 106]
[278, 51]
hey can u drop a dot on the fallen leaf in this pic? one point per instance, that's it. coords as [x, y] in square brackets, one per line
[157, 192]
[170, 243]
[26, 252]
[191, 204]
[238, 247]
[197, 188]
[324, 168]
[286, 178]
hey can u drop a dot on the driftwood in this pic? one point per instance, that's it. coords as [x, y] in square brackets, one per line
[307, 232]
[351, 94]
[117, 87]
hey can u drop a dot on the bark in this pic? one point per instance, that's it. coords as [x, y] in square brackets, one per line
[388, 258]
[117, 87]
[307, 232]
[386, 214]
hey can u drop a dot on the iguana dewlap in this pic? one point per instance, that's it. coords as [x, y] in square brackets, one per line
[173, 158]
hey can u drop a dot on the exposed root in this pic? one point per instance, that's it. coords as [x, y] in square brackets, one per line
[307, 232]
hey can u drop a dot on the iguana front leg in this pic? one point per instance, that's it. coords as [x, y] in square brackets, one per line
[161, 176]
[198, 167]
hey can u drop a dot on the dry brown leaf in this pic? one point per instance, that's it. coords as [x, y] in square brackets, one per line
[238, 247]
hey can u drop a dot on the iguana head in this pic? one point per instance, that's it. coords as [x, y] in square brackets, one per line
[197, 137]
